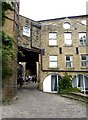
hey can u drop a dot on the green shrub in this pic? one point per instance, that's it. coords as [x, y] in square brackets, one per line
[67, 91]
[6, 40]
[65, 82]
[7, 54]
[65, 85]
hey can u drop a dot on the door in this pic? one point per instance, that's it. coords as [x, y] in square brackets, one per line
[54, 82]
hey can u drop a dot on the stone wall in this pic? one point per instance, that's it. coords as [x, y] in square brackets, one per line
[57, 26]
[39, 34]
[34, 39]
[11, 28]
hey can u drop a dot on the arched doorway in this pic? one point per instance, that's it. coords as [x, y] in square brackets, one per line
[50, 83]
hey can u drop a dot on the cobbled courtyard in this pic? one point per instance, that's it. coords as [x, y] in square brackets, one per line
[33, 103]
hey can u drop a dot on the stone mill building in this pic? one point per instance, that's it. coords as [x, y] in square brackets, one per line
[50, 48]
[53, 47]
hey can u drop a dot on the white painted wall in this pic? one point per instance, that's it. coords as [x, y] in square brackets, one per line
[47, 84]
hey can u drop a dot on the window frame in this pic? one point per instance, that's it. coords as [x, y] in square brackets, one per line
[84, 63]
[65, 39]
[69, 61]
[52, 39]
[25, 31]
[53, 61]
[83, 41]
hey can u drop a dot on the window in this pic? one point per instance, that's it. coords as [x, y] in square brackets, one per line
[84, 61]
[60, 50]
[82, 38]
[80, 80]
[52, 39]
[26, 31]
[77, 50]
[66, 25]
[53, 61]
[67, 39]
[69, 61]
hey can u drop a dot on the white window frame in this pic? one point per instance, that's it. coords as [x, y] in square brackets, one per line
[26, 31]
[82, 38]
[52, 39]
[69, 63]
[84, 63]
[52, 61]
[68, 39]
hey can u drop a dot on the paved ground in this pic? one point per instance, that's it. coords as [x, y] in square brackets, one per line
[35, 104]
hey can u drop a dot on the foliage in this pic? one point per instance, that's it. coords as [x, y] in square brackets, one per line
[6, 40]
[7, 46]
[5, 69]
[7, 52]
[5, 7]
[67, 91]
[65, 82]
[65, 85]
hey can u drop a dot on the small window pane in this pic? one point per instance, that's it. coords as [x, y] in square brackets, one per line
[83, 57]
[53, 58]
[52, 35]
[52, 42]
[67, 38]
[67, 58]
[82, 38]
[84, 61]
[53, 39]
[53, 61]
[68, 64]
[53, 64]
[87, 64]
[69, 61]
[26, 31]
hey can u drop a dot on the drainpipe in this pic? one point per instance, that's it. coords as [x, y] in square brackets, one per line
[84, 84]
[77, 80]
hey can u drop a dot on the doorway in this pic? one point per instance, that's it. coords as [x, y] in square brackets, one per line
[54, 82]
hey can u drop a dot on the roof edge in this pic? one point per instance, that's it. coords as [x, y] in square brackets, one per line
[27, 18]
[63, 18]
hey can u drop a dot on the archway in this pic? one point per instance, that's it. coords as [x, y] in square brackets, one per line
[29, 58]
[50, 83]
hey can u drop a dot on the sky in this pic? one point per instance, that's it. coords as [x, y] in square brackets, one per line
[50, 9]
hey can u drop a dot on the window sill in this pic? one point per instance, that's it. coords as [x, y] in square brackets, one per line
[53, 68]
[26, 36]
[70, 68]
[53, 45]
[84, 67]
[68, 45]
[82, 45]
